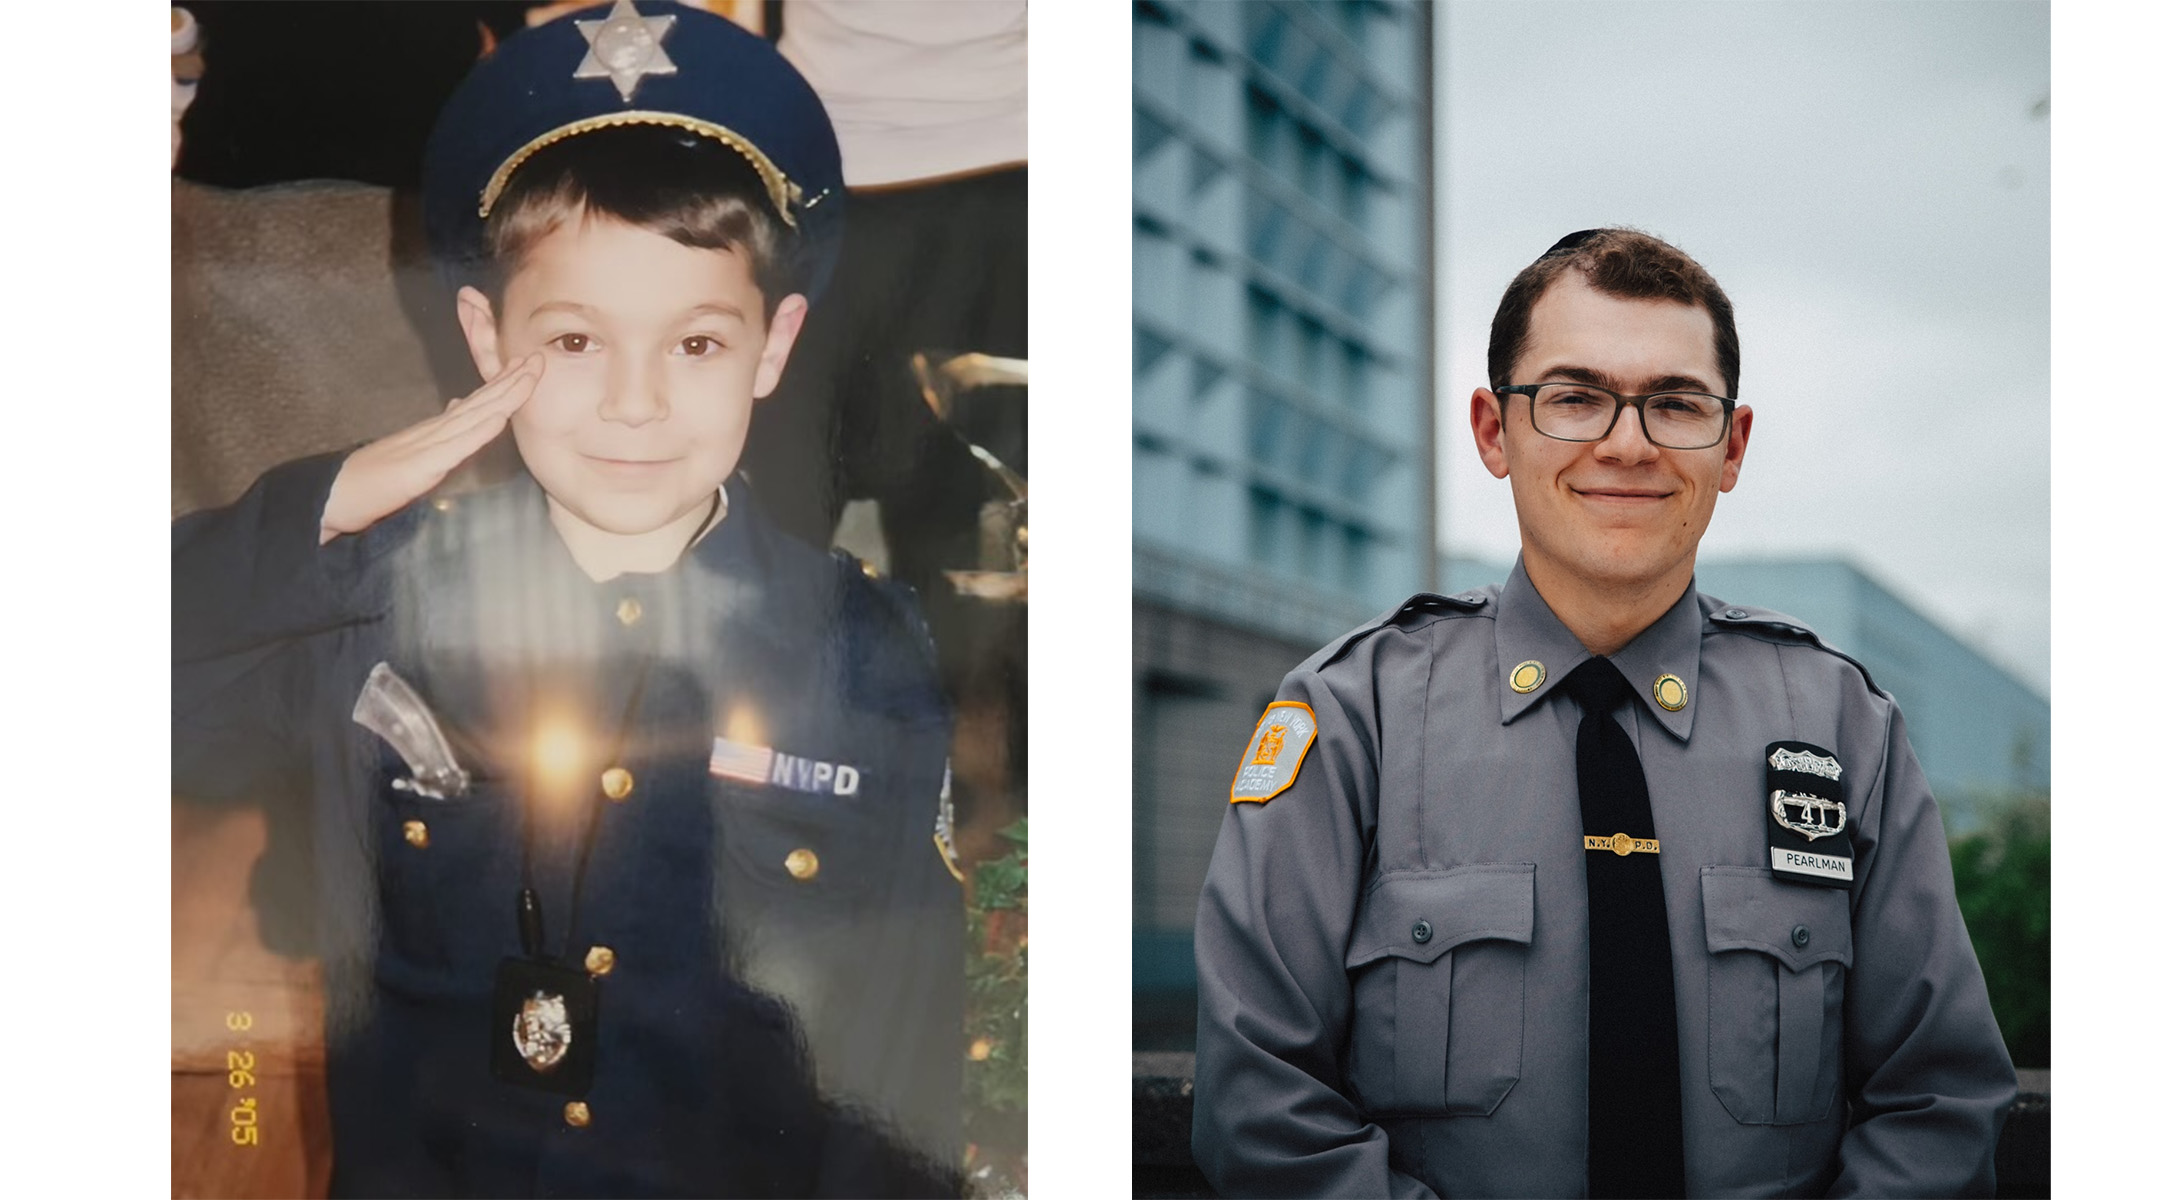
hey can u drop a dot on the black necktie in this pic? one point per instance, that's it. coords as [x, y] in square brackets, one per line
[1634, 1036]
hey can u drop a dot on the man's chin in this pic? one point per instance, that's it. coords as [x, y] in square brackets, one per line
[1625, 563]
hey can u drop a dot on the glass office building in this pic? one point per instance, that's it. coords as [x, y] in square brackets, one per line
[1283, 363]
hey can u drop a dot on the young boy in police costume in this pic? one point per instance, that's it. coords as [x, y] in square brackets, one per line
[634, 869]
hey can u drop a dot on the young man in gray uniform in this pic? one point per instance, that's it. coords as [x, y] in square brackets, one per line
[1590, 884]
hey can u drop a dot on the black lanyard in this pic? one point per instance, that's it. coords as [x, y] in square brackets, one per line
[532, 925]
[546, 1013]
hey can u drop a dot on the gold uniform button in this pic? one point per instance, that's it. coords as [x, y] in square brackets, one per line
[1671, 694]
[629, 610]
[1527, 677]
[416, 833]
[802, 864]
[444, 504]
[577, 1114]
[616, 782]
[599, 960]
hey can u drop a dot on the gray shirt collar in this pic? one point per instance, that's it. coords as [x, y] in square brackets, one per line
[1527, 631]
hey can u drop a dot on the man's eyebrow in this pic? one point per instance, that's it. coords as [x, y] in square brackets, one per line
[719, 310]
[1663, 383]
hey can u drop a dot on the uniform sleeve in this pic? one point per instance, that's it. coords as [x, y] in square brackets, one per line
[1928, 1076]
[1270, 1116]
[907, 1141]
[898, 1132]
[250, 584]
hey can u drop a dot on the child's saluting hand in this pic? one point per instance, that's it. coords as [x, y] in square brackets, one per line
[386, 475]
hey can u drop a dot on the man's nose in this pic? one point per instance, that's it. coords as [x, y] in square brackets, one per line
[635, 393]
[1629, 441]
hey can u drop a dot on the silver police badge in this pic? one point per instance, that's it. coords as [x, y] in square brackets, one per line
[1807, 833]
[1784, 758]
[1811, 816]
[541, 1031]
[625, 48]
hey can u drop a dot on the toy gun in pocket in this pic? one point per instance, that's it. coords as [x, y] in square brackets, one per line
[390, 708]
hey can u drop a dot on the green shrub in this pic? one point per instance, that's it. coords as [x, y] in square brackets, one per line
[994, 1098]
[2002, 887]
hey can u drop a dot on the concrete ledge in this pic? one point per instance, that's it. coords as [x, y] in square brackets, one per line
[1162, 1133]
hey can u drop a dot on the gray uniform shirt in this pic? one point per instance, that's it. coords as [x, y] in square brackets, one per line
[1340, 1053]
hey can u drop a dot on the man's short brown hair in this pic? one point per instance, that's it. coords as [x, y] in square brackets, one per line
[689, 189]
[1618, 262]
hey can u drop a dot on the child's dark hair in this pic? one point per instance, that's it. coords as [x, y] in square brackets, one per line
[683, 186]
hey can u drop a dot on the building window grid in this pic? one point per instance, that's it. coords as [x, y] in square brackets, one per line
[1358, 541]
[1299, 542]
[1365, 95]
[1310, 378]
[1350, 142]
[1279, 201]
[1337, 378]
[1363, 460]
[1292, 152]
[1340, 324]
[1334, 466]
[1354, 531]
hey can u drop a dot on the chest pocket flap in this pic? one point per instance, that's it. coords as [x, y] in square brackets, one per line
[1778, 956]
[1467, 904]
[1436, 960]
[1745, 909]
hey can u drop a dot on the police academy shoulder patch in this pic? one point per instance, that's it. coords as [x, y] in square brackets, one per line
[1277, 750]
[1808, 839]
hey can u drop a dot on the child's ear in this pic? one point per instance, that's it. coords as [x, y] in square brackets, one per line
[477, 317]
[780, 334]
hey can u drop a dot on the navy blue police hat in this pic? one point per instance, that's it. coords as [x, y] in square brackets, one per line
[657, 64]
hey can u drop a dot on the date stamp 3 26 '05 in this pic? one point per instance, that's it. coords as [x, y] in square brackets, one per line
[240, 1073]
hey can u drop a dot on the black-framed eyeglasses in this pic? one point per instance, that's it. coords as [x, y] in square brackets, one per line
[1585, 412]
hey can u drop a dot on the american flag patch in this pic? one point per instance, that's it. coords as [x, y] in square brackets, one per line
[733, 760]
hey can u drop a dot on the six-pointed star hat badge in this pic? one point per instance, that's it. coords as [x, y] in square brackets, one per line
[625, 48]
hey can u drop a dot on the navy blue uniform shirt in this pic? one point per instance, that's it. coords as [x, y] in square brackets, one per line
[775, 937]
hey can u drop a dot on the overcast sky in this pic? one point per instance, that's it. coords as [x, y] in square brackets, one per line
[1869, 182]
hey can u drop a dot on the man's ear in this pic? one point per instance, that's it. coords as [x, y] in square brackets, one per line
[780, 335]
[1743, 425]
[1488, 428]
[477, 317]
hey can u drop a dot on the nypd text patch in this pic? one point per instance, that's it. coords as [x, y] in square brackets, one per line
[763, 764]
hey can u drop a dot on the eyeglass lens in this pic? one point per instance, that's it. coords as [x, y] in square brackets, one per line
[1677, 420]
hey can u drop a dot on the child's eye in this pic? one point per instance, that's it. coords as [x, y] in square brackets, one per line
[573, 343]
[697, 345]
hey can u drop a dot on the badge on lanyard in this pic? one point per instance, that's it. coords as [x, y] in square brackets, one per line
[545, 1026]
[1808, 839]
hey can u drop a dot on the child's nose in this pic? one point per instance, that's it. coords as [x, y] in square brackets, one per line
[634, 394]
